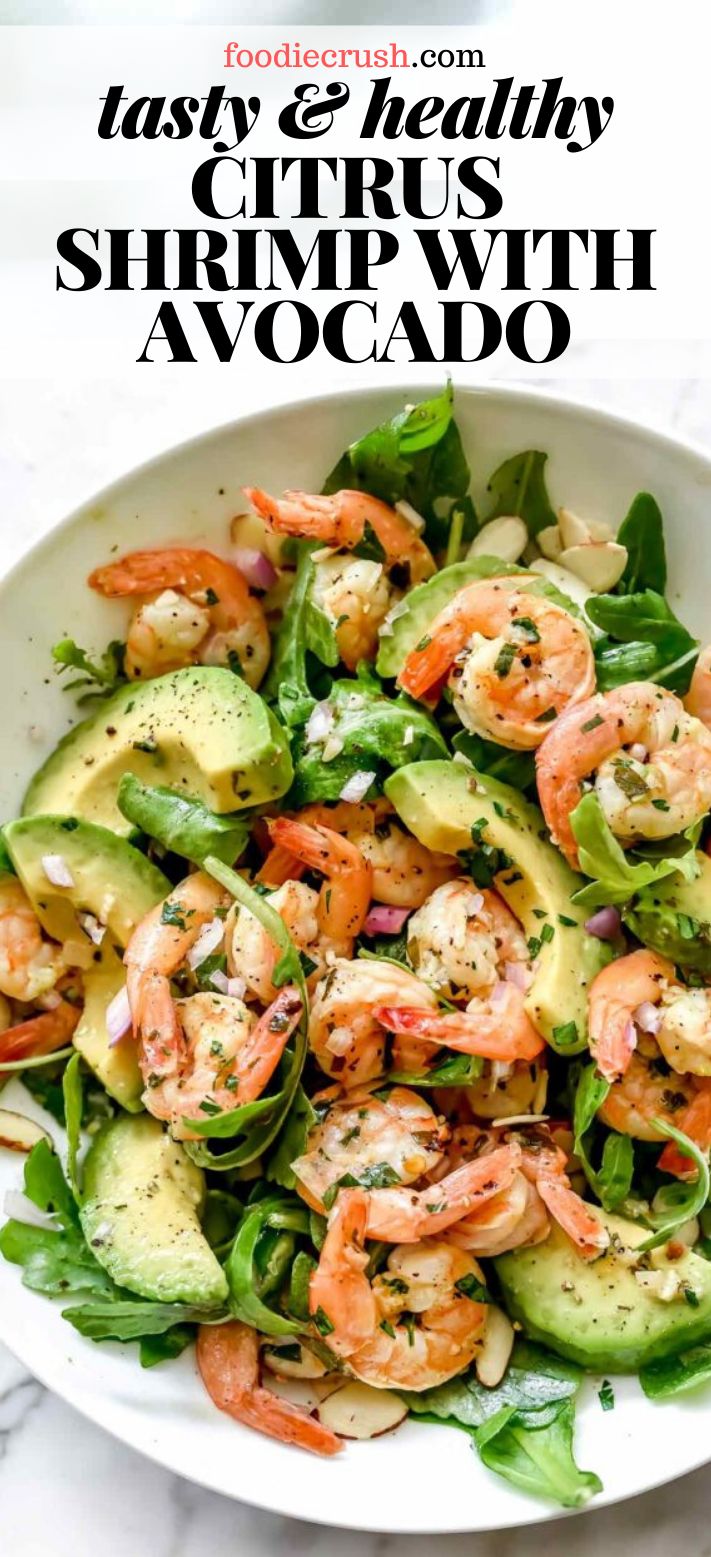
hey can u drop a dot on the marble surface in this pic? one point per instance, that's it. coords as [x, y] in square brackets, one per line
[66, 1486]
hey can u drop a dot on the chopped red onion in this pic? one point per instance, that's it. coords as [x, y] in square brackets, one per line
[257, 568]
[118, 1017]
[638, 752]
[499, 993]
[320, 724]
[385, 920]
[357, 787]
[17, 1206]
[226, 986]
[57, 871]
[648, 1017]
[207, 942]
[518, 974]
[605, 924]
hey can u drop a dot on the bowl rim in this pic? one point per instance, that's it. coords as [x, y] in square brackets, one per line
[522, 395]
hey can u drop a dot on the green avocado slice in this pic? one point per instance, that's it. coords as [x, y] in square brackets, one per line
[141, 1215]
[674, 918]
[411, 618]
[110, 879]
[598, 1314]
[116, 1067]
[201, 731]
[451, 807]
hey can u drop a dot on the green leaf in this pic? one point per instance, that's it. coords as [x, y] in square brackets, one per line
[517, 768]
[73, 1092]
[128, 1319]
[184, 825]
[275, 1212]
[219, 1219]
[98, 678]
[450, 1070]
[642, 532]
[376, 733]
[668, 1376]
[617, 874]
[523, 1428]
[299, 1283]
[590, 1094]
[418, 457]
[519, 487]
[304, 628]
[645, 641]
[163, 1348]
[678, 1202]
[259, 1123]
[46, 1186]
[291, 1144]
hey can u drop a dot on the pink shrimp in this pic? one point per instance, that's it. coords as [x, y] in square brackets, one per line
[340, 520]
[496, 1028]
[40, 1034]
[223, 621]
[514, 660]
[228, 1359]
[344, 899]
[614, 996]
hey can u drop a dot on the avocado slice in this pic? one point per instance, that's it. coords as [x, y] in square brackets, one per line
[201, 731]
[112, 880]
[141, 1215]
[441, 802]
[598, 1314]
[117, 1068]
[674, 918]
[413, 615]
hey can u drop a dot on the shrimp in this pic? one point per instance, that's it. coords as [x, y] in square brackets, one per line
[404, 871]
[514, 662]
[400, 1215]
[496, 1027]
[513, 1219]
[223, 624]
[226, 1057]
[40, 1034]
[427, 1282]
[698, 698]
[463, 940]
[360, 1133]
[341, 520]
[29, 965]
[651, 760]
[648, 1091]
[355, 594]
[156, 950]
[615, 994]
[228, 1360]
[344, 898]
[252, 954]
[345, 1035]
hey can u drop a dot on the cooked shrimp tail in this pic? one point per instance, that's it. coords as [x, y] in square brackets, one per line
[228, 1359]
[39, 1034]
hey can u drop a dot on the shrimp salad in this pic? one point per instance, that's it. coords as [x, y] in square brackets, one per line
[358, 938]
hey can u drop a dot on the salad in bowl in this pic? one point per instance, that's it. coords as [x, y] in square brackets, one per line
[358, 936]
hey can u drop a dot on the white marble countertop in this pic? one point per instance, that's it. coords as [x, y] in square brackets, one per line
[66, 1487]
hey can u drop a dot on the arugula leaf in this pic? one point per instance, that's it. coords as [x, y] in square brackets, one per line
[249, 1284]
[517, 768]
[259, 1123]
[518, 487]
[163, 1348]
[452, 1070]
[99, 678]
[129, 1319]
[648, 641]
[304, 629]
[377, 734]
[181, 823]
[522, 1428]
[642, 532]
[418, 457]
[677, 1202]
[219, 1219]
[299, 1282]
[73, 1094]
[618, 875]
[291, 1144]
[612, 1181]
[668, 1376]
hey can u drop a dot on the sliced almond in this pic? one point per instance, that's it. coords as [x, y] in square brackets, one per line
[505, 537]
[280, 1361]
[299, 1392]
[573, 530]
[19, 1133]
[599, 531]
[568, 583]
[550, 542]
[600, 564]
[493, 1359]
[359, 1411]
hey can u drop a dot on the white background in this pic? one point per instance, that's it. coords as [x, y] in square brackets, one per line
[75, 412]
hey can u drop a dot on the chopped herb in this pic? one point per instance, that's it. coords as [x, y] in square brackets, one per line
[526, 626]
[469, 1286]
[174, 913]
[660, 805]
[547, 715]
[606, 1396]
[566, 1035]
[504, 660]
[322, 1322]
[149, 745]
[209, 1107]
[688, 928]
[591, 724]
[423, 644]
[690, 1296]
[387, 1327]
[547, 933]
[628, 780]
[569, 923]
[211, 598]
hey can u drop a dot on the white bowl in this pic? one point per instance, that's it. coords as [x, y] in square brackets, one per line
[421, 1478]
